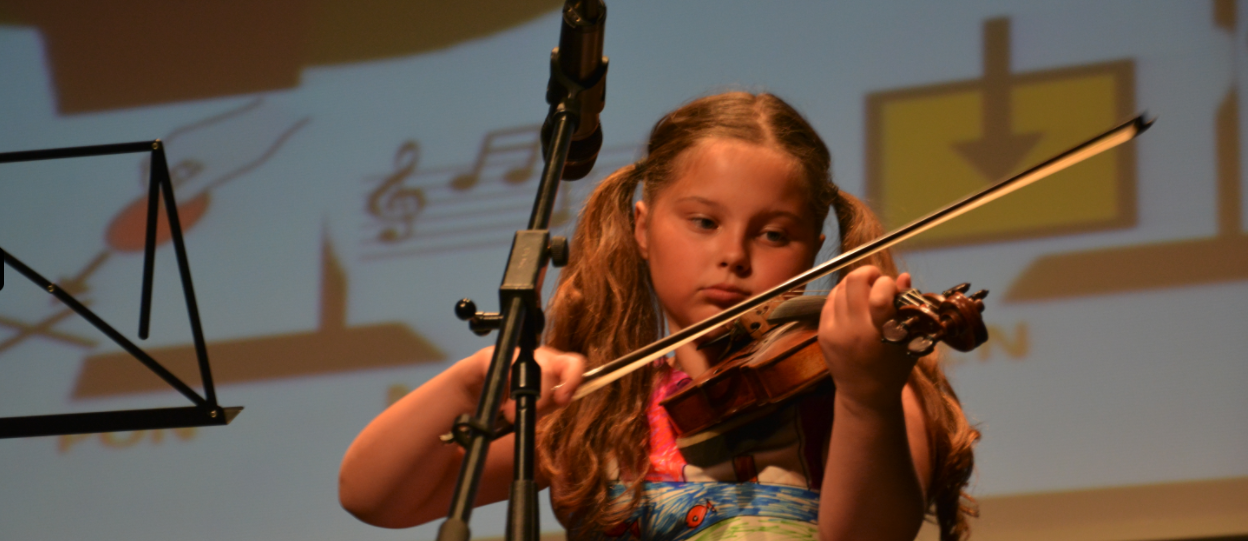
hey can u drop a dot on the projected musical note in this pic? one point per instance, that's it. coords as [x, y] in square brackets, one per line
[507, 143]
[474, 207]
[395, 204]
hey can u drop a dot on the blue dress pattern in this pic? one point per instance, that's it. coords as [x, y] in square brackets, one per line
[677, 511]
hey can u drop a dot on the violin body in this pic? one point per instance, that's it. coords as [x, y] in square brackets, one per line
[783, 361]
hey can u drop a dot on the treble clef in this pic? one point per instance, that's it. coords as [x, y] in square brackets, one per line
[394, 204]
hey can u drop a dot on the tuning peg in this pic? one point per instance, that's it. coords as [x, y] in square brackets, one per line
[960, 288]
[896, 332]
[920, 346]
[979, 295]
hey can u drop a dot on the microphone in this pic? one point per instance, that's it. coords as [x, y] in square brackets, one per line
[578, 69]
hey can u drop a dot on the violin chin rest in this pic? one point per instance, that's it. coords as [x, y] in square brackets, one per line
[805, 307]
[735, 437]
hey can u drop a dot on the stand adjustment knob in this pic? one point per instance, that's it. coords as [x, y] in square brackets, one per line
[465, 309]
[558, 251]
[480, 323]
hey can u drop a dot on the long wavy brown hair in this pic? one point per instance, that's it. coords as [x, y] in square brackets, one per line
[605, 306]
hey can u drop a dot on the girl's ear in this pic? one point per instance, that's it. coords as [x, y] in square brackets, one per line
[814, 254]
[641, 224]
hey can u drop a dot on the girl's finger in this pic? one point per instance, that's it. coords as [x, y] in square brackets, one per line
[838, 303]
[571, 372]
[903, 282]
[827, 315]
[858, 285]
[881, 301]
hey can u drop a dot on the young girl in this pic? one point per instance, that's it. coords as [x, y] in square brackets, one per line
[735, 191]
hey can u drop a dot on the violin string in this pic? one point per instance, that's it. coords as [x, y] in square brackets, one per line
[915, 298]
[909, 297]
[791, 294]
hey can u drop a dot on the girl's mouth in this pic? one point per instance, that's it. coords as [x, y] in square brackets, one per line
[724, 295]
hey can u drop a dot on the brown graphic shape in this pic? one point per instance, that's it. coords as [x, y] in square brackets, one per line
[1222, 258]
[77, 284]
[259, 359]
[344, 32]
[1133, 268]
[933, 144]
[1224, 14]
[332, 348]
[998, 151]
[1230, 178]
[1208, 509]
[126, 232]
[131, 53]
[43, 328]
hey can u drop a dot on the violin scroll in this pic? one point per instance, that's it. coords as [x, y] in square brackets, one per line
[923, 319]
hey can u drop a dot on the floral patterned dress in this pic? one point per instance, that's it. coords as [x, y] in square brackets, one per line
[767, 493]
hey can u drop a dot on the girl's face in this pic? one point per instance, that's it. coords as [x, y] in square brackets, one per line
[733, 223]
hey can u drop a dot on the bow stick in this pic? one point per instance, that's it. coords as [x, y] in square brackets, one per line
[601, 376]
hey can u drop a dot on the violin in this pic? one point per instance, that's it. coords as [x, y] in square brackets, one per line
[781, 361]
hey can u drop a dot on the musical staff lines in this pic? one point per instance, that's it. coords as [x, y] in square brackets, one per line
[416, 211]
[507, 143]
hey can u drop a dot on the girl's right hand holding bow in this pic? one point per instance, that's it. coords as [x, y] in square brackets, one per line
[397, 473]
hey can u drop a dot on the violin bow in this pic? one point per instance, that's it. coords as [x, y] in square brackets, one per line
[601, 376]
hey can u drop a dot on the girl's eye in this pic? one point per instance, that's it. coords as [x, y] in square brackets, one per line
[776, 237]
[702, 223]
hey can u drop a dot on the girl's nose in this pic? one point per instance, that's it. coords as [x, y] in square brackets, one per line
[735, 255]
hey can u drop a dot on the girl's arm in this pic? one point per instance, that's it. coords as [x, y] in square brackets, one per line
[398, 473]
[878, 460]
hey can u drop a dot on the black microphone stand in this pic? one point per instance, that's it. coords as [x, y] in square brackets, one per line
[520, 321]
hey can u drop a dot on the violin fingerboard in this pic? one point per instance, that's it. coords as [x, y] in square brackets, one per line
[805, 307]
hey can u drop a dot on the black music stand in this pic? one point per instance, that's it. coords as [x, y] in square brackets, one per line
[205, 411]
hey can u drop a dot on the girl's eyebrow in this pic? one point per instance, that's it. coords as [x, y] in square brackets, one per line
[716, 205]
[699, 199]
[790, 215]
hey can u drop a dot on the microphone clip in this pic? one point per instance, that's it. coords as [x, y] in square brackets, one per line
[578, 85]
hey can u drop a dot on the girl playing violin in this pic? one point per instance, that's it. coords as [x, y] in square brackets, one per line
[735, 191]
